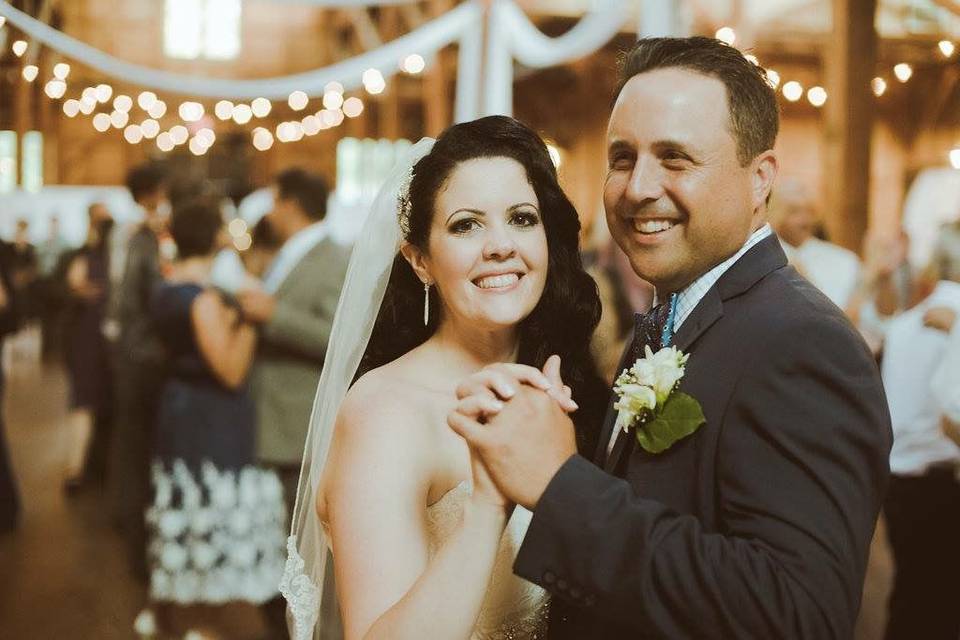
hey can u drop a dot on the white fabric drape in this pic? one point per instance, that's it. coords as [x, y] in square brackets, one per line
[425, 40]
[511, 35]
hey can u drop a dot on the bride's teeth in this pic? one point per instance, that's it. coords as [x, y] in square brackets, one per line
[652, 226]
[496, 282]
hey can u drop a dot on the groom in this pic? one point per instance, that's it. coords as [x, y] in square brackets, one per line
[758, 524]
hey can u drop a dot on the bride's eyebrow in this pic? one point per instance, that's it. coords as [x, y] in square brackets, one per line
[523, 204]
[474, 211]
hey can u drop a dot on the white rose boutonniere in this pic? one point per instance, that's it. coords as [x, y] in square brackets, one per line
[648, 400]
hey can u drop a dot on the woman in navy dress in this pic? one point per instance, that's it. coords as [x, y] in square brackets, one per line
[217, 520]
[87, 280]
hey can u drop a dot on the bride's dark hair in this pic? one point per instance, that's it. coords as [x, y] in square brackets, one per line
[569, 309]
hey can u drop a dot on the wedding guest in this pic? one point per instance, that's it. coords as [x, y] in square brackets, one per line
[9, 495]
[263, 248]
[139, 363]
[216, 524]
[24, 265]
[886, 287]
[88, 288]
[832, 269]
[294, 313]
[922, 508]
[946, 380]
[49, 254]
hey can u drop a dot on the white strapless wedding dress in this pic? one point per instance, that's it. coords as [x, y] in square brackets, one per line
[513, 609]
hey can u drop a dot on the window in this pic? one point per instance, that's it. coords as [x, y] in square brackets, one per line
[31, 178]
[202, 29]
[8, 161]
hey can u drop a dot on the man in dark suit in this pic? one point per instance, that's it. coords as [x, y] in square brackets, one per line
[758, 524]
[9, 495]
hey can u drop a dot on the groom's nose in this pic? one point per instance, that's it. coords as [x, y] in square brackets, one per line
[646, 180]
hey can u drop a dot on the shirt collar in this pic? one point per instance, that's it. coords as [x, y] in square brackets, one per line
[688, 299]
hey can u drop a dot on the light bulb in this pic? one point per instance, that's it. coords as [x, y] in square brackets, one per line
[223, 110]
[792, 90]
[30, 72]
[146, 100]
[413, 63]
[879, 86]
[298, 100]
[903, 71]
[61, 70]
[817, 96]
[726, 35]
[261, 107]
[133, 134]
[352, 107]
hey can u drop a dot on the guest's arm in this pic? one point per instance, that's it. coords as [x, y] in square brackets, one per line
[801, 470]
[226, 344]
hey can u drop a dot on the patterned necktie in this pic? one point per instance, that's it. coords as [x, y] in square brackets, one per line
[655, 328]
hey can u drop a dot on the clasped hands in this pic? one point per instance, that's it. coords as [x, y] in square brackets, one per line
[515, 421]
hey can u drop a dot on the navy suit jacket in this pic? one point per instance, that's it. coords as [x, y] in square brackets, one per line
[759, 524]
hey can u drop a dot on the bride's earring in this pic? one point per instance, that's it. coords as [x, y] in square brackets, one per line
[426, 303]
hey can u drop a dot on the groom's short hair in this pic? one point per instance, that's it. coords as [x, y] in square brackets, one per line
[754, 115]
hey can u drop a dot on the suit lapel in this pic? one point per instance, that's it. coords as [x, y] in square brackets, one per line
[761, 260]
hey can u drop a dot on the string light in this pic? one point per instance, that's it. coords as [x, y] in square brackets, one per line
[331, 118]
[223, 110]
[150, 128]
[373, 81]
[879, 86]
[903, 71]
[179, 134]
[207, 136]
[71, 108]
[102, 93]
[55, 89]
[242, 113]
[298, 100]
[87, 106]
[334, 86]
[244, 242]
[262, 139]
[133, 134]
[119, 119]
[61, 70]
[146, 100]
[261, 107]
[352, 107]
[197, 147]
[311, 125]
[191, 111]
[101, 122]
[332, 100]
[773, 78]
[946, 48]
[817, 96]
[792, 90]
[165, 142]
[19, 47]
[157, 109]
[30, 72]
[726, 35]
[955, 157]
[123, 103]
[237, 227]
[413, 64]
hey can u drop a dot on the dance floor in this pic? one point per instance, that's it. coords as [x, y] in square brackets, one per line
[63, 573]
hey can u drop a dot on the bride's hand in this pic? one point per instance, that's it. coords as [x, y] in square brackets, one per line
[485, 490]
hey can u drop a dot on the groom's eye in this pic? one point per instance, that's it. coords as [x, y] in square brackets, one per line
[621, 160]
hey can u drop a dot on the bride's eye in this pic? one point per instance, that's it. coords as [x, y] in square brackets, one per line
[525, 218]
[464, 225]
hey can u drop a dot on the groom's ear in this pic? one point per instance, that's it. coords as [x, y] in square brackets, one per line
[417, 260]
[763, 171]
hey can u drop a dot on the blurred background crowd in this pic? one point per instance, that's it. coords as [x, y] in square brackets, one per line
[170, 264]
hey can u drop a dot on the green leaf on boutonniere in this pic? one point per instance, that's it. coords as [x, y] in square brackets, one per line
[681, 415]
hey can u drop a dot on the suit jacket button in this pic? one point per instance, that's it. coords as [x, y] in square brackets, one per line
[549, 577]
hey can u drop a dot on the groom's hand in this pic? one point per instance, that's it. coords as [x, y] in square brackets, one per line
[526, 441]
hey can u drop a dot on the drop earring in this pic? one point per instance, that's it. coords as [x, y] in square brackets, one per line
[426, 303]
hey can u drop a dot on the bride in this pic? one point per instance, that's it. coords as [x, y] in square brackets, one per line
[488, 270]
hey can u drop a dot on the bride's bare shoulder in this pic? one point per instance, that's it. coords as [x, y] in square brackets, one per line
[385, 398]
